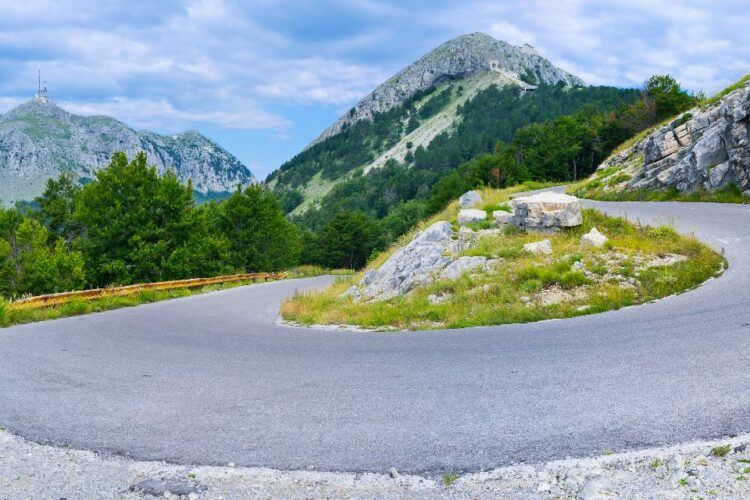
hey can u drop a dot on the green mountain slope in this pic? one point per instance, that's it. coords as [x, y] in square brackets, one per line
[409, 111]
[494, 114]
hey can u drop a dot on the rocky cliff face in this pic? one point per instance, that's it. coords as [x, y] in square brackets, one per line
[463, 56]
[39, 140]
[705, 148]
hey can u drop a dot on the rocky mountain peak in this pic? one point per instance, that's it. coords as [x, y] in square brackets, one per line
[459, 57]
[40, 140]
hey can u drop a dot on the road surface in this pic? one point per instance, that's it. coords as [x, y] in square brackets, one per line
[211, 379]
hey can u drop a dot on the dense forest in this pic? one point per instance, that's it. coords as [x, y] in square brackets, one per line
[132, 225]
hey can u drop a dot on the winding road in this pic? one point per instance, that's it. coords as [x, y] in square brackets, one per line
[211, 379]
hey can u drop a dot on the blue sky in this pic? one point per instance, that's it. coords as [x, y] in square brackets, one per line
[263, 77]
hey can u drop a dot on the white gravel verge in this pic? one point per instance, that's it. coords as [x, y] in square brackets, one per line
[29, 470]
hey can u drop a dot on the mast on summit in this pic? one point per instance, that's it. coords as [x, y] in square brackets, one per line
[41, 92]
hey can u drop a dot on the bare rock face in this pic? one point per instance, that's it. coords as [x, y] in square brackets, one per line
[546, 211]
[704, 148]
[412, 265]
[39, 140]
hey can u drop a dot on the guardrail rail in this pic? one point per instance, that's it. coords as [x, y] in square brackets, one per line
[53, 299]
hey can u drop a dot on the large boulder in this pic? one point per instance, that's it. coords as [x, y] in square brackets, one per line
[469, 215]
[546, 211]
[429, 252]
[470, 199]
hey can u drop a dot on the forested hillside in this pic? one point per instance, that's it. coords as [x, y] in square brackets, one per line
[130, 225]
[492, 116]
[388, 201]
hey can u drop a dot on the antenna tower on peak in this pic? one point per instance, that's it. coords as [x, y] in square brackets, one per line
[41, 92]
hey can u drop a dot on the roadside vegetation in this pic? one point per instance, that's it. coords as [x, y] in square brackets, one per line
[609, 184]
[728, 194]
[10, 316]
[638, 264]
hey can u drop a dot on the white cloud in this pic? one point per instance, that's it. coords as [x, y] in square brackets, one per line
[179, 64]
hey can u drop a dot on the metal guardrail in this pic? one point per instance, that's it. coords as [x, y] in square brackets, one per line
[41, 301]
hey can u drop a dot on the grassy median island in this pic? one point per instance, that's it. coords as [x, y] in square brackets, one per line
[638, 264]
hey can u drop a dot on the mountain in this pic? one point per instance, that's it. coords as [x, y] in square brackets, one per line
[467, 55]
[39, 140]
[451, 105]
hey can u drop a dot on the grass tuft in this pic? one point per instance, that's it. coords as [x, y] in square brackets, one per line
[721, 451]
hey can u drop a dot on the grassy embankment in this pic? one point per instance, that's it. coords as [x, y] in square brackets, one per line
[524, 287]
[609, 184]
[77, 307]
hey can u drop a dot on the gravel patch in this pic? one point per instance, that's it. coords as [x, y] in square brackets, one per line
[716, 469]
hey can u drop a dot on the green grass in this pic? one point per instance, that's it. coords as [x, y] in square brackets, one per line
[720, 95]
[729, 194]
[513, 291]
[78, 307]
[721, 451]
[308, 271]
[450, 479]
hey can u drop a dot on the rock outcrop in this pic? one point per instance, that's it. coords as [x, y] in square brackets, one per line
[705, 148]
[429, 252]
[546, 211]
[39, 140]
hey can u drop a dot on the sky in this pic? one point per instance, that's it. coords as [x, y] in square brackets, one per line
[263, 78]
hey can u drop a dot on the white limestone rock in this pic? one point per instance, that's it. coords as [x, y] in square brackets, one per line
[546, 211]
[469, 215]
[539, 247]
[593, 239]
[462, 265]
[470, 199]
[704, 148]
[503, 217]
[412, 265]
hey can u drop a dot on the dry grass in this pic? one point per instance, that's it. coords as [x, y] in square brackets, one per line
[518, 289]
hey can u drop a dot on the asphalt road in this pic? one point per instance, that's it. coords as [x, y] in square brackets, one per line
[211, 379]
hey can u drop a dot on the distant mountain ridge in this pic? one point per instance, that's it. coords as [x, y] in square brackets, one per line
[40, 140]
[457, 58]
